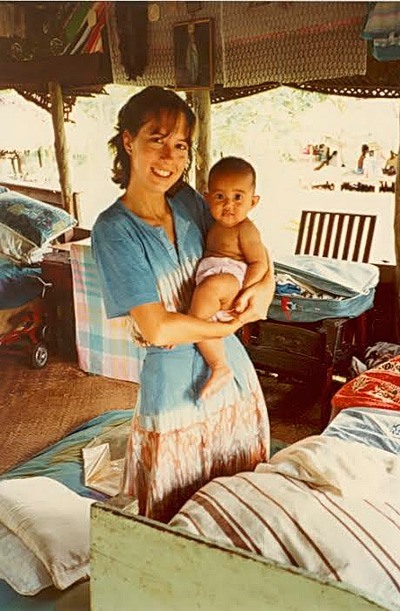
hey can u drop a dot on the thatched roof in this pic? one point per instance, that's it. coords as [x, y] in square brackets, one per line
[314, 46]
[382, 80]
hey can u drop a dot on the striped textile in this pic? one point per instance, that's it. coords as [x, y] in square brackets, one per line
[326, 505]
[104, 346]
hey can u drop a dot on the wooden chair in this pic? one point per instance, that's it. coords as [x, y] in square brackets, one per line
[312, 352]
[339, 235]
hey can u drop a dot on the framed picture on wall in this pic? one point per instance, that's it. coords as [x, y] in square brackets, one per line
[193, 55]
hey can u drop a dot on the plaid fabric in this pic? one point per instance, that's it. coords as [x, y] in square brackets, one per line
[104, 346]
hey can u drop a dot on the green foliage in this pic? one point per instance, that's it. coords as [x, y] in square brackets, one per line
[268, 117]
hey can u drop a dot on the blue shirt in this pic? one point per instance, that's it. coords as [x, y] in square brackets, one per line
[138, 264]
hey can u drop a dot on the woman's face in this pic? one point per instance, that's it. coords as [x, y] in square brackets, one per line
[159, 153]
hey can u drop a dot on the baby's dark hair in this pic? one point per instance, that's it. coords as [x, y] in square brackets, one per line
[232, 165]
[149, 103]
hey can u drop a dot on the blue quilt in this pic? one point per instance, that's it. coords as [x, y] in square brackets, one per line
[18, 284]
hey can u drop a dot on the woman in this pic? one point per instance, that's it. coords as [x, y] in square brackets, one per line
[147, 245]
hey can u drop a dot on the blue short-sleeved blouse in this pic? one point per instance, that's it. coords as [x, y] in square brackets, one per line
[138, 264]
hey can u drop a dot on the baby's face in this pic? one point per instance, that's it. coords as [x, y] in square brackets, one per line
[231, 197]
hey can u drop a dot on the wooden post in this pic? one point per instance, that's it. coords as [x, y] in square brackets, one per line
[397, 241]
[60, 145]
[202, 109]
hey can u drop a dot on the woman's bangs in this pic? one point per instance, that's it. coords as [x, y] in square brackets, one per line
[167, 121]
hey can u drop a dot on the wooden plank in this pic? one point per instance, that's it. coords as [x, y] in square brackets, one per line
[82, 69]
[141, 564]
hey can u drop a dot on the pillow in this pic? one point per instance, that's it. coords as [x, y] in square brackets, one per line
[53, 523]
[23, 571]
[28, 225]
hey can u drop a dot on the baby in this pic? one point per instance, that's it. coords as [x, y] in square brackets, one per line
[235, 257]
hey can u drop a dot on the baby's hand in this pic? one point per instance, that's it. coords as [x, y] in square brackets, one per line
[250, 305]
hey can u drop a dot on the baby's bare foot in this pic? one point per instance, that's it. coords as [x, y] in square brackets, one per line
[218, 378]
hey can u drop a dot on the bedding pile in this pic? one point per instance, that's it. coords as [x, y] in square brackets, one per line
[324, 504]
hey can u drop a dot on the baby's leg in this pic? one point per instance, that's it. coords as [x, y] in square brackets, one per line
[215, 293]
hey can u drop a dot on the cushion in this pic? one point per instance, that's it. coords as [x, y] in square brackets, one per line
[27, 226]
[50, 522]
[23, 571]
[378, 387]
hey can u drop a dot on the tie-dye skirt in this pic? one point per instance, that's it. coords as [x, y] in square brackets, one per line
[179, 442]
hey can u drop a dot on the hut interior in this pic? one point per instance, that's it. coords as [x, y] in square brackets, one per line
[72, 398]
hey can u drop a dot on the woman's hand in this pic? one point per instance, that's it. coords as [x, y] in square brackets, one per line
[253, 302]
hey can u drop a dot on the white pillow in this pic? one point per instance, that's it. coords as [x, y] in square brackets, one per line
[53, 522]
[20, 568]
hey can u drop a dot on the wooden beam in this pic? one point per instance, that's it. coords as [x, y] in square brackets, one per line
[74, 70]
[136, 563]
[60, 144]
[202, 109]
[397, 240]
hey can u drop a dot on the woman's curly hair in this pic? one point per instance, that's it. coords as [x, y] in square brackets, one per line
[150, 103]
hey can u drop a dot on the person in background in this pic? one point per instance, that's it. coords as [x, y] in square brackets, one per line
[361, 159]
[390, 165]
[235, 257]
[147, 246]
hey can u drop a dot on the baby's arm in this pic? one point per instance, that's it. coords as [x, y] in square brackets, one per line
[254, 254]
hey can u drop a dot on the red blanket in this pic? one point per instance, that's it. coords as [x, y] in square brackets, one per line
[378, 387]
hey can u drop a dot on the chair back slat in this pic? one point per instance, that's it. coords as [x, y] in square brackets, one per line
[359, 235]
[310, 230]
[339, 235]
[369, 238]
[328, 237]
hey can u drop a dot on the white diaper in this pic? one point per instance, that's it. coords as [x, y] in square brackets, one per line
[211, 266]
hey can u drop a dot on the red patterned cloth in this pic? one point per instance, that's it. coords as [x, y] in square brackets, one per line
[378, 387]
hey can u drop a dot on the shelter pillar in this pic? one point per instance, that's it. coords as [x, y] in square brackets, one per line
[202, 109]
[397, 240]
[60, 144]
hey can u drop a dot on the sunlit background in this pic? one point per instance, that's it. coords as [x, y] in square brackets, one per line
[271, 129]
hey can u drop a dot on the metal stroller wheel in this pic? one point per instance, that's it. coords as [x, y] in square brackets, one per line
[39, 355]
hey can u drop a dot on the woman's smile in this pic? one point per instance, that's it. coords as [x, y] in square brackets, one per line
[161, 173]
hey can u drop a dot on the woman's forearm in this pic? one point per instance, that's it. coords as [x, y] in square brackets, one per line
[161, 328]
[268, 283]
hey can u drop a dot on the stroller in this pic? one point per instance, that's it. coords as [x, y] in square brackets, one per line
[29, 331]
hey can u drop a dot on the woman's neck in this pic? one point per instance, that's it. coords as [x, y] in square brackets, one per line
[149, 206]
